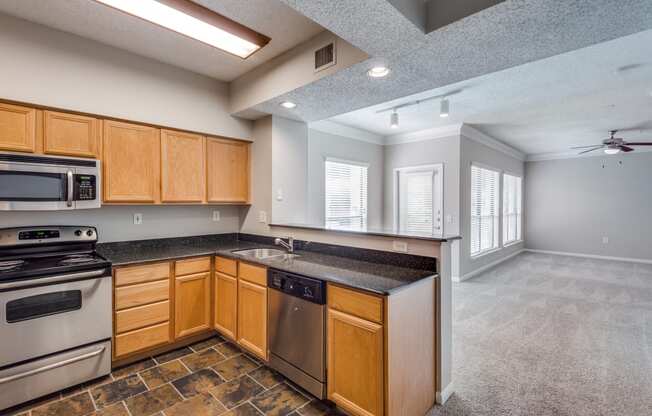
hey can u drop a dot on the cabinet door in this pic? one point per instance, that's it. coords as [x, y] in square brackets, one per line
[71, 135]
[131, 160]
[226, 304]
[355, 364]
[192, 304]
[252, 318]
[17, 128]
[183, 174]
[228, 170]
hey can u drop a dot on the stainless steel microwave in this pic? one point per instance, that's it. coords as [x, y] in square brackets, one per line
[36, 183]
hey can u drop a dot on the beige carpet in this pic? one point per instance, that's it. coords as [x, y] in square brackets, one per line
[553, 335]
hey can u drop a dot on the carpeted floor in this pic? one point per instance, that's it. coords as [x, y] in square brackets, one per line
[553, 335]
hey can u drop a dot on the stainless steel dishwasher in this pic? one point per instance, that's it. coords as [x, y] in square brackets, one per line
[297, 329]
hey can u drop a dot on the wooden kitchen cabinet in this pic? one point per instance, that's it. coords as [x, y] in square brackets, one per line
[71, 135]
[355, 364]
[228, 171]
[183, 173]
[17, 128]
[192, 304]
[131, 162]
[226, 305]
[252, 318]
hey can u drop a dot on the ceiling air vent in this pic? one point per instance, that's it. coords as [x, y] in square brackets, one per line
[325, 57]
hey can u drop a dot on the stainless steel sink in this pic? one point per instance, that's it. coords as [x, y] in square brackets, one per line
[266, 253]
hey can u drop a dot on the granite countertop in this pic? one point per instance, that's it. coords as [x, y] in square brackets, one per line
[374, 277]
[383, 232]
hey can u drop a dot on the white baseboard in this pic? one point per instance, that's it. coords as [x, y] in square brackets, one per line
[485, 267]
[442, 396]
[590, 256]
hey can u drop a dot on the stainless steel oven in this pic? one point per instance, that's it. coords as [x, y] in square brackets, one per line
[30, 183]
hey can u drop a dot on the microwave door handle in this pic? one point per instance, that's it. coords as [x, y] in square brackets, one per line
[70, 188]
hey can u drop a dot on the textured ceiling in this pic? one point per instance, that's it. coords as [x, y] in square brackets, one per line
[509, 34]
[544, 106]
[92, 20]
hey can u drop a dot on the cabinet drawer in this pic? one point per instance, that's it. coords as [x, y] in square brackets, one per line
[356, 303]
[192, 266]
[141, 294]
[142, 316]
[226, 266]
[141, 339]
[253, 274]
[140, 274]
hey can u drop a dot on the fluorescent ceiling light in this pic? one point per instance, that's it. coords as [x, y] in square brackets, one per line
[393, 120]
[196, 22]
[612, 150]
[288, 104]
[444, 108]
[378, 72]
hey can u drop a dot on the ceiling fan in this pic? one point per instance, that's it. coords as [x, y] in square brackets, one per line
[612, 145]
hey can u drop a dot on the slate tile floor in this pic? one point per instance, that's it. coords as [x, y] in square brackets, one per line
[209, 378]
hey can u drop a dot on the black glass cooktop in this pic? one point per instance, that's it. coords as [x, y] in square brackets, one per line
[43, 266]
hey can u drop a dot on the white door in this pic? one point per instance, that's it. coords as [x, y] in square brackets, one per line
[419, 199]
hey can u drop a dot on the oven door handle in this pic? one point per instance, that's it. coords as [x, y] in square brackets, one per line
[70, 188]
[52, 366]
[53, 279]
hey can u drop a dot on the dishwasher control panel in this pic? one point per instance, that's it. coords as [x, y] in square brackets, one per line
[312, 290]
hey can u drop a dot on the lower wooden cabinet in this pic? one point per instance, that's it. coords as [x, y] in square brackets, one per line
[355, 364]
[192, 304]
[252, 318]
[226, 304]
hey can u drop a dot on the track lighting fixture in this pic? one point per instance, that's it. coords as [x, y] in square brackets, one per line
[444, 108]
[393, 120]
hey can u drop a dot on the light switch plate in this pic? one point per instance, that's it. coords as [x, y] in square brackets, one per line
[279, 194]
[401, 246]
[262, 216]
[605, 240]
[216, 215]
[138, 219]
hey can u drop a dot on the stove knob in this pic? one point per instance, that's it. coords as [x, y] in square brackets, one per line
[89, 233]
[78, 233]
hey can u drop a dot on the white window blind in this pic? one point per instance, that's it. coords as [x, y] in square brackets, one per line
[484, 209]
[346, 195]
[416, 210]
[511, 208]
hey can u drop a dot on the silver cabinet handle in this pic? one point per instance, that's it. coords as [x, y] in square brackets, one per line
[53, 279]
[70, 190]
[52, 366]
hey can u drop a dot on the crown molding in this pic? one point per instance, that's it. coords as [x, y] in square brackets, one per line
[423, 135]
[337, 129]
[476, 135]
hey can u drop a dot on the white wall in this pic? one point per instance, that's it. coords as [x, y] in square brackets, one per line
[472, 151]
[571, 204]
[445, 150]
[322, 145]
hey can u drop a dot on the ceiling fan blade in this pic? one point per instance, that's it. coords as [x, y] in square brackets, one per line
[639, 143]
[584, 147]
[625, 148]
[590, 150]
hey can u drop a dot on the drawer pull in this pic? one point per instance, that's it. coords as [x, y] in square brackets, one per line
[52, 366]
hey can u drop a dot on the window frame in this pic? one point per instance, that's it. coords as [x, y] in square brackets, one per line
[504, 242]
[438, 188]
[499, 246]
[365, 165]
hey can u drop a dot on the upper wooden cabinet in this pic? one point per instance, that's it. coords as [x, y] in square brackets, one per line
[17, 128]
[228, 170]
[183, 173]
[131, 160]
[71, 135]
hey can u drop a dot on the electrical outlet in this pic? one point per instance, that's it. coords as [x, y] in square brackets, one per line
[400, 246]
[262, 216]
[138, 219]
[605, 240]
[216, 215]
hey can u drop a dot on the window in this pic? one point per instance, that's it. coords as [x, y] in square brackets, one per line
[484, 210]
[346, 194]
[419, 198]
[511, 208]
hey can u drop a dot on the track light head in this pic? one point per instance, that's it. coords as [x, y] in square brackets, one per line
[393, 120]
[444, 108]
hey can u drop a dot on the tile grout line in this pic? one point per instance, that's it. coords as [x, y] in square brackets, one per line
[254, 406]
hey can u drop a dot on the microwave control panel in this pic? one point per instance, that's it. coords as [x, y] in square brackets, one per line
[85, 188]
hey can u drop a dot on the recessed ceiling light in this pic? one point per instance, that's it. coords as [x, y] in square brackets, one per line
[444, 108]
[288, 104]
[393, 120]
[378, 72]
[195, 21]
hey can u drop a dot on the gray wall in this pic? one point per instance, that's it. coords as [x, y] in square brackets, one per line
[322, 145]
[572, 204]
[444, 150]
[472, 151]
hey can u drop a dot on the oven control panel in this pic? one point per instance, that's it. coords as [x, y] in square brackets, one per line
[47, 235]
[38, 234]
[85, 188]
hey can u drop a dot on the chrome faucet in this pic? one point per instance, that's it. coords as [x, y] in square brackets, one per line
[289, 245]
